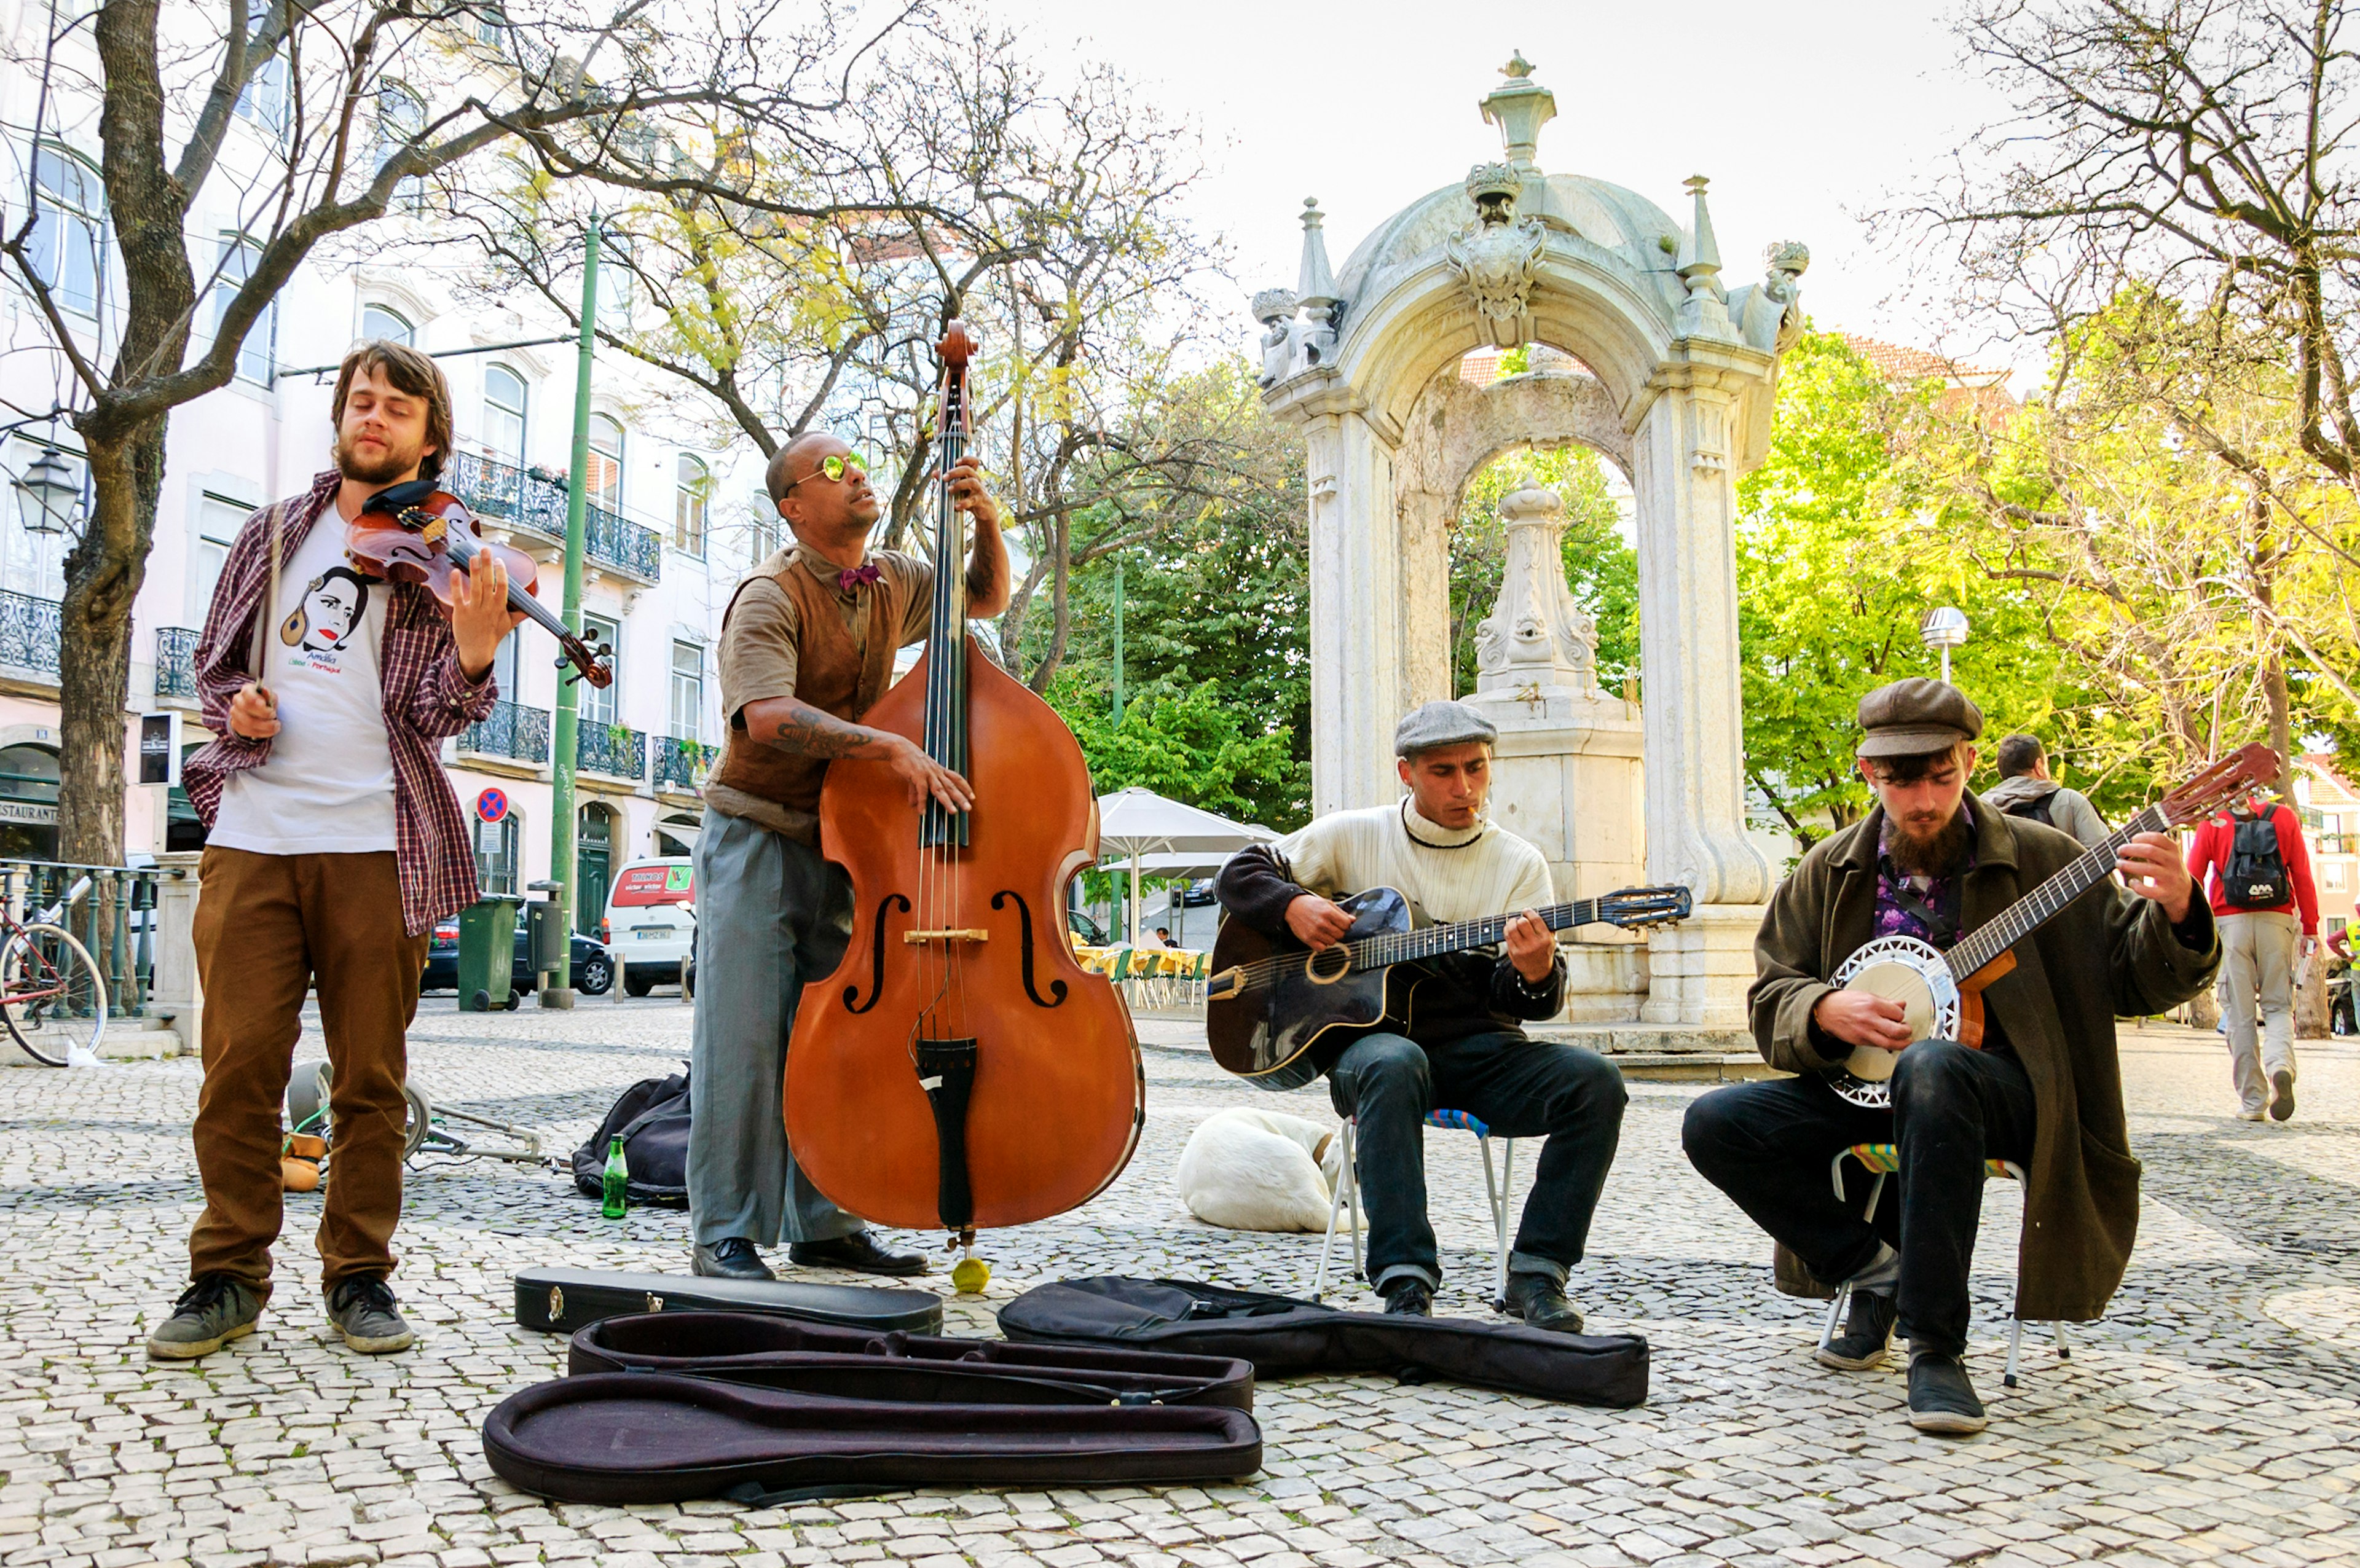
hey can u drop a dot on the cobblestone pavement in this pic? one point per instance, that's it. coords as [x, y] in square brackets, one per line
[2210, 1419]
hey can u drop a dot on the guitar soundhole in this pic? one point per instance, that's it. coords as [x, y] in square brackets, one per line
[1329, 964]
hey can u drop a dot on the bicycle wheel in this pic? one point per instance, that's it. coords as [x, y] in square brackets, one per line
[52, 996]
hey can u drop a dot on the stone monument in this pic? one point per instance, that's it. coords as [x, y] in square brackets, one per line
[1674, 382]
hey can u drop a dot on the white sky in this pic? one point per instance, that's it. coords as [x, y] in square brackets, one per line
[1803, 116]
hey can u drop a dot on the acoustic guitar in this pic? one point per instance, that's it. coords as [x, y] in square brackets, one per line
[1278, 1013]
[1942, 993]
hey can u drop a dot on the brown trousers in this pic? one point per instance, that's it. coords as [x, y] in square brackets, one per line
[268, 928]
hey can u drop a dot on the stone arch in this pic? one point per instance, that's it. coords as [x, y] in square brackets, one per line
[1680, 397]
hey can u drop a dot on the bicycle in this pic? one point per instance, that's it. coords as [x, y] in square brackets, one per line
[50, 989]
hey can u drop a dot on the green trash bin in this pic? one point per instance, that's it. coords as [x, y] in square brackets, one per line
[487, 930]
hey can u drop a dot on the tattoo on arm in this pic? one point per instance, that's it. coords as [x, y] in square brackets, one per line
[807, 731]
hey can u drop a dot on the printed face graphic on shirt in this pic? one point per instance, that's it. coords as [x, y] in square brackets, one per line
[333, 606]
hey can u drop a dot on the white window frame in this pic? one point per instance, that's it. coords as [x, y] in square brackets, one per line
[61, 215]
[407, 336]
[610, 495]
[688, 686]
[521, 413]
[691, 504]
[257, 355]
[603, 704]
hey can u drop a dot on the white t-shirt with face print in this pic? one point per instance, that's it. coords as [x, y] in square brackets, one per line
[327, 787]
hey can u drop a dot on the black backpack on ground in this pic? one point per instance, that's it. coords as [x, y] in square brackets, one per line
[652, 1118]
[2255, 875]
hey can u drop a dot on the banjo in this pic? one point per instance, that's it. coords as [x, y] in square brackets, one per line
[1942, 993]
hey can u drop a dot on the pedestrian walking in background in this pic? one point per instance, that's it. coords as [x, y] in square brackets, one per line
[2027, 790]
[2252, 863]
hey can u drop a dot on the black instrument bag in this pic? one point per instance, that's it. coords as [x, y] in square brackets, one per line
[559, 1300]
[1282, 1335]
[773, 1352]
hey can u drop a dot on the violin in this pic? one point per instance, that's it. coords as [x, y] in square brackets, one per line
[960, 1068]
[415, 533]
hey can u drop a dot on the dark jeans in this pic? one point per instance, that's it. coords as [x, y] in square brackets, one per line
[1517, 1087]
[1768, 1146]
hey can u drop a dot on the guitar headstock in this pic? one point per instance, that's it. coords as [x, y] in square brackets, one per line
[1636, 908]
[2239, 774]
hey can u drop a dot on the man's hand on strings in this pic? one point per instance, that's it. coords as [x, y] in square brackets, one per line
[1316, 923]
[968, 494]
[922, 776]
[2152, 869]
[1856, 1018]
[1532, 947]
[480, 616]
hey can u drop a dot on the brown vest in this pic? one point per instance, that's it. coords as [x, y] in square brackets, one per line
[831, 674]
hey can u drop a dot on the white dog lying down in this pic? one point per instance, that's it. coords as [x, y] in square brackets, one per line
[1260, 1170]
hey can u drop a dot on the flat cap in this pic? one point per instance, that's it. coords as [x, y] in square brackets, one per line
[1439, 725]
[1912, 717]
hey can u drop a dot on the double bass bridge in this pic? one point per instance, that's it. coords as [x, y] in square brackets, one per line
[970, 933]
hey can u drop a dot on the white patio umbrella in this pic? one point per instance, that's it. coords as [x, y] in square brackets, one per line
[1138, 823]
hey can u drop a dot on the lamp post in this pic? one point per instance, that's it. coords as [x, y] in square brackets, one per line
[49, 493]
[1944, 629]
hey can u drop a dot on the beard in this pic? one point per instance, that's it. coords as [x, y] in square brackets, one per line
[397, 463]
[1923, 849]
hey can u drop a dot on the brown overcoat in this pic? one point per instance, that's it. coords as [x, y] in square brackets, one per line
[2106, 955]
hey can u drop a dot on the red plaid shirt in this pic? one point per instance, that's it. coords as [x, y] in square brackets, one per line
[426, 698]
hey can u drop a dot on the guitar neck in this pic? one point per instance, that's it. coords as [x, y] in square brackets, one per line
[2019, 919]
[1432, 941]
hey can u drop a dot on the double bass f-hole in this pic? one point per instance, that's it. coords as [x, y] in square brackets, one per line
[1024, 914]
[852, 1002]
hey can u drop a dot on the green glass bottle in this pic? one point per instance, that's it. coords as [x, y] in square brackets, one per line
[619, 1182]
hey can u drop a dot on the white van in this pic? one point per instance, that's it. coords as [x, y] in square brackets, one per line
[651, 921]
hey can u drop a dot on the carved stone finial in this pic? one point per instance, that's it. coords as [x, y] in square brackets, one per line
[1790, 258]
[1535, 636]
[1497, 255]
[1704, 312]
[1315, 287]
[1273, 305]
[1520, 107]
[1703, 250]
[1274, 309]
[1494, 187]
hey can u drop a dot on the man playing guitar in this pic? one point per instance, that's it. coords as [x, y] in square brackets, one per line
[1456, 1044]
[2044, 1090]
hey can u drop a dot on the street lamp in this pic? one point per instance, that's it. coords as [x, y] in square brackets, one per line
[1945, 629]
[49, 493]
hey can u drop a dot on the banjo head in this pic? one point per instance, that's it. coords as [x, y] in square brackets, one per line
[1899, 969]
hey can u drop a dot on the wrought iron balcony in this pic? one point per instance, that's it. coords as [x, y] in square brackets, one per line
[176, 662]
[30, 631]
[616, 750]
[681, 764]
[502, 493]
[509, 729]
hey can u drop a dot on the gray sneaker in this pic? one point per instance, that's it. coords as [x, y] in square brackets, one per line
[209, 1315]
[361, 1306]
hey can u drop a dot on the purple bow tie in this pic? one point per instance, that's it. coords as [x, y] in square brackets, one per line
[845, 581]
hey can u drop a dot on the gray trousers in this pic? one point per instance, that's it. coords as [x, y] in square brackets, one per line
[2257, 954]
[771, 914]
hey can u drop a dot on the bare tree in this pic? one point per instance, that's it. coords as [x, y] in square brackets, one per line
[1045, 209]
[312, 119]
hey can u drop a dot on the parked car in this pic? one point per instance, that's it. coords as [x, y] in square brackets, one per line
[593, 975]
[1198, 893]
[651, 924]
[1085, 930]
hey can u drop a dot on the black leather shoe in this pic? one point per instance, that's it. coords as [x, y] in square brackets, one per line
[1867, 1332]
[1408, 1297]
[1540, 1302]
[1941, 1399]
[858, 1252]
[731, 1258]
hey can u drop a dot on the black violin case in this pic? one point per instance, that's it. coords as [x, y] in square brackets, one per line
[1284, 1336]
[773, 1352]
[668, 1407]
[559, 1300]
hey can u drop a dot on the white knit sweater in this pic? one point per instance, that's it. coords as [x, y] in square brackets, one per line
[1446, 874]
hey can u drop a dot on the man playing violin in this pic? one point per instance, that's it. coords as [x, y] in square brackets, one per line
[1458, 1046]
[2045, 1090]
[335, 846]
[807, 648]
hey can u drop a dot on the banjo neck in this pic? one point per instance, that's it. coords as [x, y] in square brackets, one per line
[2028, 914]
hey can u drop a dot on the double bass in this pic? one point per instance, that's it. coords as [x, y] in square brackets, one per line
[960, 1068]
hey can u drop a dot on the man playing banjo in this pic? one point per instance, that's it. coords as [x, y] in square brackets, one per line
[2045, 1090]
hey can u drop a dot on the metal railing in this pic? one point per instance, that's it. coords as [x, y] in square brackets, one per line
[681, 764]
[501, 492]
[617, 750]
[116, 919]
[2336, 843]
[509, 729]
[176, 662]
[31, 630]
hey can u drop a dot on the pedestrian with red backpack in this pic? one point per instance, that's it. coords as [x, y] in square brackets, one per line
[2252, 861]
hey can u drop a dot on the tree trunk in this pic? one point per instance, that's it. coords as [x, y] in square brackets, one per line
[103, 573]
[2310, 996]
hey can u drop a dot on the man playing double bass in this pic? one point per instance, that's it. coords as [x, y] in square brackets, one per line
[807, 648]
[2044, 1091]
[1459, 1047]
